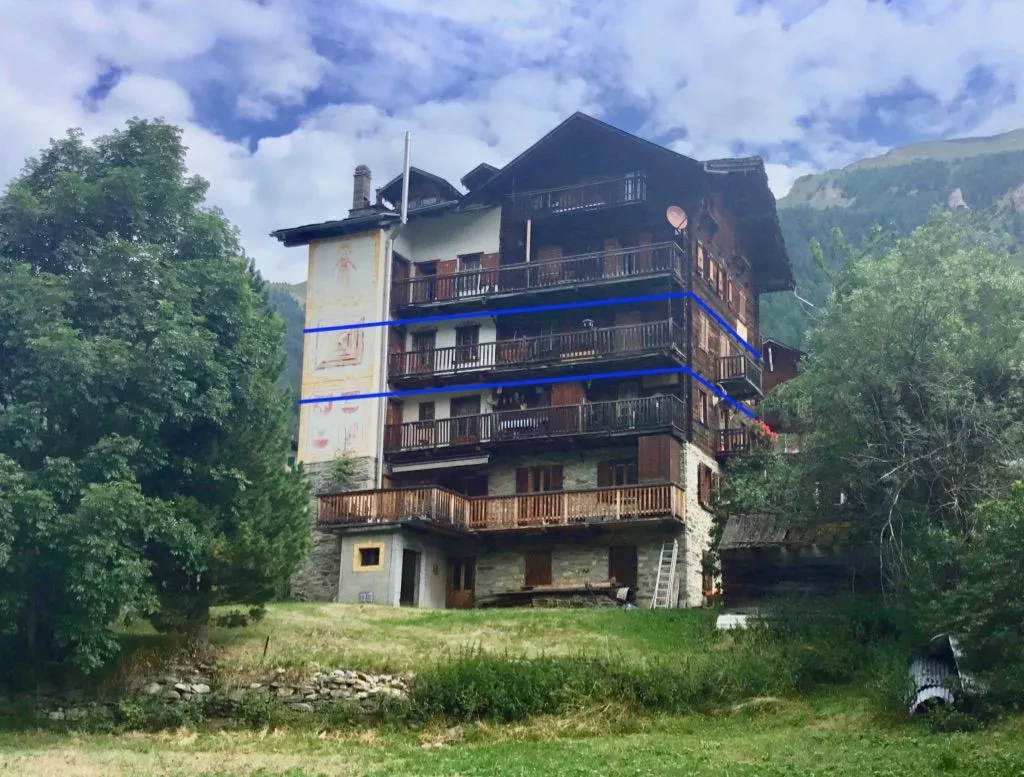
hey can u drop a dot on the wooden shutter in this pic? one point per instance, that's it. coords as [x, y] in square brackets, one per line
[653, 459]
[604, 475]
[445, 283]
[538, 567]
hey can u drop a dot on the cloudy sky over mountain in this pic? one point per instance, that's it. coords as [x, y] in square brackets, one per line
[282, 98]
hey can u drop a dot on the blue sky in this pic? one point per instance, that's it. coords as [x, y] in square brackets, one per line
[280, 99]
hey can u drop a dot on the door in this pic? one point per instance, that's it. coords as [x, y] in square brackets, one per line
[408, 595]
[622, 565]
[426, 282]
[628, 331]
[540, 501]
[460, 593]
[465, 419]
[538, 568]
[393, 426]
[422, 356]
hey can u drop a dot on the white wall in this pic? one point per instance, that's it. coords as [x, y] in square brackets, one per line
[445, 337]
[447, 236]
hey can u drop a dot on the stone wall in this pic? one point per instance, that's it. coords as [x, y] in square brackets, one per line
[317, 578]
[504, 570]
[577, 472]
[698, 528]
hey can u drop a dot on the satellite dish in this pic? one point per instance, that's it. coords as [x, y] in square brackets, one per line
[676, 217]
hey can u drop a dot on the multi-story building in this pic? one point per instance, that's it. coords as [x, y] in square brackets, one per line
[571, 354]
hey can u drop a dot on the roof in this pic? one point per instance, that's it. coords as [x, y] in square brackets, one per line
[392, 190]
[773, 341]
[382, 218]
[743, 184]
[478, 176]
[762, 531]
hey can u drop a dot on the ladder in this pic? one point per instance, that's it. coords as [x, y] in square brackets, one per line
[666, 575]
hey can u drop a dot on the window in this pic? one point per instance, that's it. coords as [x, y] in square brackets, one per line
[707, 484]
[368, 556]
[535, 480]
[467, 340]
[470, 262]
[611, 474]
[702, 407]
[704, 331]
[427, 411]
[702, 268]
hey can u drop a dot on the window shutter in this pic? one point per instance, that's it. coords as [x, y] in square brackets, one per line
[522, 480]
[604, 474]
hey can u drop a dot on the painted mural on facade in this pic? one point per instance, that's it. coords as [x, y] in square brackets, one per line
[345, 287]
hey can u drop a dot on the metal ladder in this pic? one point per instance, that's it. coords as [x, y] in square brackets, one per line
[666, 575]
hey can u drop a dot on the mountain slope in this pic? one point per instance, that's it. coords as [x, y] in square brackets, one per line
[896, 191]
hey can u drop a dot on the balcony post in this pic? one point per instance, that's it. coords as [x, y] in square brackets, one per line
[672, 500]
[433, 503]
[565, 508]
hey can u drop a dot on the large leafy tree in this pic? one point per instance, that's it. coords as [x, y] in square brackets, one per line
[143, 436]
[913, 400]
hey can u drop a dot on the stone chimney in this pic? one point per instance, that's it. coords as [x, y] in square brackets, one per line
[361, 190]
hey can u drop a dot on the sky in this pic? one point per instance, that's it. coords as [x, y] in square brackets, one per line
[281, 99]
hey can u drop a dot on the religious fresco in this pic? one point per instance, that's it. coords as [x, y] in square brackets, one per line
[344, 287]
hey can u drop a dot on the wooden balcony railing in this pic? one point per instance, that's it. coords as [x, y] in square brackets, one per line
[731, 442]
[621, 190]
[647, 414]
[581, 345]
[740, 368]
[599, 266]
[555, 508]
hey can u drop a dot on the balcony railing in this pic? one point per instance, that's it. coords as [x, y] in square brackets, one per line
[563, 347]
[598, 266]
[593, 418]
[740, 376]
[554, 508]
[731, 442]
[621, 190]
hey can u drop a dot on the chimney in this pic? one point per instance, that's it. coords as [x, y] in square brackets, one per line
[361, 190]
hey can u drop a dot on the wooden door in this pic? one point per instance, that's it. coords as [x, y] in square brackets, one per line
[538, 568]
[628, 332]
[422, 355]
[622, 565]
[465, 419]
[393, 425]
[460, 592]
[533, 483]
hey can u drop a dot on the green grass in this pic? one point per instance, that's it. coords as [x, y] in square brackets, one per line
[587, 692]
[828, 735]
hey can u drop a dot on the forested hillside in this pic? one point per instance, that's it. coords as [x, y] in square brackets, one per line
[895, 191]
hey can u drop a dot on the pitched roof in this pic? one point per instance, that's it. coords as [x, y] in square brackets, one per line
[392, 190]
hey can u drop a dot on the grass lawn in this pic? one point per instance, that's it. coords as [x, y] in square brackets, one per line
[391, 639]
[835, 736]
[838, 733]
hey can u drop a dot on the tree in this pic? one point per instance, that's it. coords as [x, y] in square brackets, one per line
[912, 398]
[143, 436]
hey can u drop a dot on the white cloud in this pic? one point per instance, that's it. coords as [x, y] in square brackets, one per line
[481, 81]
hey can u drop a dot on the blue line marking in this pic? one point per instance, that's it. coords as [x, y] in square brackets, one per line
[541, 308]
[534, 382]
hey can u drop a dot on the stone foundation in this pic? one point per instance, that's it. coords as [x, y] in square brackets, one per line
[317, 578]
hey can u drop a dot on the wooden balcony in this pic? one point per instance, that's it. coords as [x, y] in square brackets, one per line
[599, 267]
[731, 442]
[594, 195]
[621, 417]
[563, 349]
[739, 376]
[490, 513]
